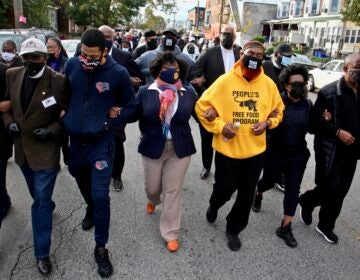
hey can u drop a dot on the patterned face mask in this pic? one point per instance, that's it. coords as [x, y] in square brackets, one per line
[89, 64]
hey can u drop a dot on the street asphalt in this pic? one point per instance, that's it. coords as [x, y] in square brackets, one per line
[137, 250]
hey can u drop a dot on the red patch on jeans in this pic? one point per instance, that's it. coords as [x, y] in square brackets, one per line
[101, 164]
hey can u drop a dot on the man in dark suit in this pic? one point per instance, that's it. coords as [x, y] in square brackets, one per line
[150, 43]
[124, 59]
[5, 147]
[209, 66]
[38, 98]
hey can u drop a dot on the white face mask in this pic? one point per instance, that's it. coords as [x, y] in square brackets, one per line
[7, 56]
[125, 49]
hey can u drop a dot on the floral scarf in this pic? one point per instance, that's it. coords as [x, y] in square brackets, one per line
[167, 100]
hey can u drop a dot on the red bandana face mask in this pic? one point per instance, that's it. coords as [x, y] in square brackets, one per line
[89, 64]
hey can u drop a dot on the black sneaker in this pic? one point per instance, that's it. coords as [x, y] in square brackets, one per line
[211, 214]
[256, 205]
[328, 235]
[105, 268]
[118, 184]
[305, 213]
[285, 232]
[234, 242]
[88, 221]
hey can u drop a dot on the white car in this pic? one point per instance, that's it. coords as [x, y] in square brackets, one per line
[325, 74]
[70, 46]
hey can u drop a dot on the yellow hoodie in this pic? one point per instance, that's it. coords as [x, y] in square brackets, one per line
[238, 101]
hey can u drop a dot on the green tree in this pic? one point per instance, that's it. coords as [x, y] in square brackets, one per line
[37, 12]
[151, 21]
[99, 12]
[351, 11]
[5, 6]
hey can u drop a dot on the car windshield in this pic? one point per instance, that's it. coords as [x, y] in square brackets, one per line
[301, 59]
[17, 38]
[70, 46]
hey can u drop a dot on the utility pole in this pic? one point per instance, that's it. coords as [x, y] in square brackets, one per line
[197, 16]
[18, 11]
[221, 15]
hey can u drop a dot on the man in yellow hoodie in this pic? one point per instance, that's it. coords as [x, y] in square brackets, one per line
[245, 102]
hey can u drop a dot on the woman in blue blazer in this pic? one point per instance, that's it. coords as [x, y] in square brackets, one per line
[163, 110]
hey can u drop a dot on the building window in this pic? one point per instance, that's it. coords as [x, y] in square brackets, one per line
[334, 6]
[353, 36]
[291, 9]
[347, 36]
[358, 36]
[314, 7]
[298, 9]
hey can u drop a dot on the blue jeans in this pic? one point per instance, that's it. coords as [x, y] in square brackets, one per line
[4, 197]
[41, 185]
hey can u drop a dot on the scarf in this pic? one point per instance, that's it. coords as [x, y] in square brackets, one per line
[55, 63]
[167, 100]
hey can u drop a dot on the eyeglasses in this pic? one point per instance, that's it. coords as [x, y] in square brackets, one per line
[50, 47]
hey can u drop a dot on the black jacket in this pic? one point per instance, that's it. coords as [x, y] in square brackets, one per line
[211, 65]
[325, 140]
[5, 140]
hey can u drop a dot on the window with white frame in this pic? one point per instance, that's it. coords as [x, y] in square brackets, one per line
[334, 6]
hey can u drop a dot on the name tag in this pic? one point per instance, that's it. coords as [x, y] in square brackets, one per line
[49, 102]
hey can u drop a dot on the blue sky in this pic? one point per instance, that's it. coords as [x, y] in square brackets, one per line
[182, 8]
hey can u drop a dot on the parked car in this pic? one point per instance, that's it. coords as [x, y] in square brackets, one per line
[325, 74]
[20, 35]
[70, 46]
[303, 60]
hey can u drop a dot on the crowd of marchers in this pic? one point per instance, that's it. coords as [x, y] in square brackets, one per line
[253, 117]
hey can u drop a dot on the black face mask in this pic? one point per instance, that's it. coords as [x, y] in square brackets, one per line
[355, 77]
[108, 44]
[298, 90]
[227, 40]
[152, 44]
[32, 68]
[252, 63]
[168, 44]
[52, 56]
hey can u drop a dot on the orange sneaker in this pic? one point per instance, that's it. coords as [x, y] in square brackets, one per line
[172, 245]
[150, 208]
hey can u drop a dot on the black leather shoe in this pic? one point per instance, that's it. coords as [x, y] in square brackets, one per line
[44, 266]
[204, 174]
[211, 214]
[233, 242]
[88, 221]
[118, 184]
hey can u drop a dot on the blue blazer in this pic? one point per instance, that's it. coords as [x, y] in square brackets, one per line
[152, 141]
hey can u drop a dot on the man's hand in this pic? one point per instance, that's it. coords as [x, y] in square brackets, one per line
[114, 112]
[210, 114]
[198, 81]
[259, 128]
[14, 129]
[229, 130]
[326, 115]
[135, 81]
[42, 134]
[4, 106]
[346, 137]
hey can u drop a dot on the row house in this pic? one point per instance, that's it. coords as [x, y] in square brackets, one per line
[316, 24]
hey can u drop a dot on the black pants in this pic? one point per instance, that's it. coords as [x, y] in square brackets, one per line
[331, 188]
[292, 163]
[231, 175]
[207, 151]
[119, 158]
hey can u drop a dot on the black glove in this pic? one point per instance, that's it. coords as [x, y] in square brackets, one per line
[14, 129]
[42, 134]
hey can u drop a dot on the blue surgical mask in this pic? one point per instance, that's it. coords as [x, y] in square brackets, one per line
[285, 61]
[7, 56]
[170, 75]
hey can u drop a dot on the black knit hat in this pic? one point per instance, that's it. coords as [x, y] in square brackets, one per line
[284, 49]
[149, 33]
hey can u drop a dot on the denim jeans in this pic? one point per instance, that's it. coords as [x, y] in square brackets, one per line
[91, 164]
[41, 185]
[4, 197]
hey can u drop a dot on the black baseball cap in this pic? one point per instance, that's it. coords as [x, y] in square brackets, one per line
[149, 33]
[171, 31]
[284, 49]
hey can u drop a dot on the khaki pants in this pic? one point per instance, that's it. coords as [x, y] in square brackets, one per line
[165, 176]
